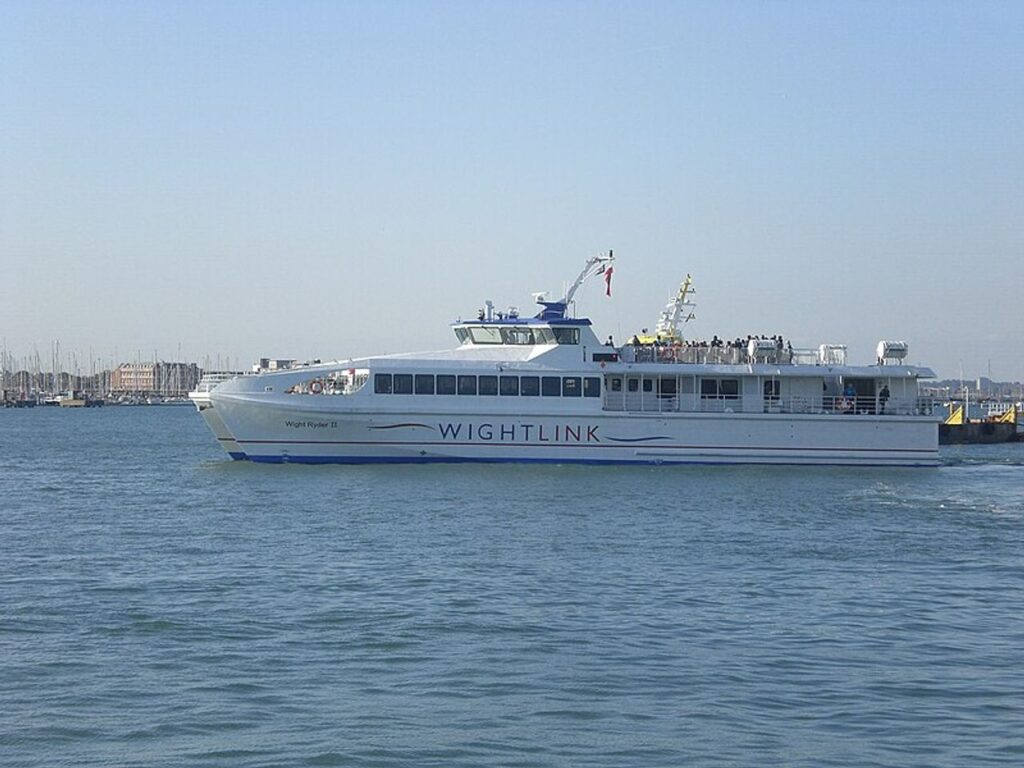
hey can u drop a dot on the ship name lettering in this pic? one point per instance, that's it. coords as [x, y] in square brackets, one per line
[503, 432]
[450, 431]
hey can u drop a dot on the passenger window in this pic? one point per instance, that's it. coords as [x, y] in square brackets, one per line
[616, 384]
[403, 384]
[529, 386]
[728, 389]
[592, 386]
[648, 385]
[550, 386]
[571, 386]
[467, 385]
[633, 385]
[424, 384]
[509, 385]
[488, 385]
[445, 384]
[382, 384]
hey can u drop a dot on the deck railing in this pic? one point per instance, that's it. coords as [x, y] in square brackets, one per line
[704, 355]
[729, 355]
[212, 379]
[650, 402]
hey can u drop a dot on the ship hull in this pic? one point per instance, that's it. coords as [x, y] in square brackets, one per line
[278, 432]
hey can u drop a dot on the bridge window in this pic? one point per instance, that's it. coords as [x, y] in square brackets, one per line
[462, 335]
[517, 335]
[543, 336]
[424, 384]
[567, 335]
[485, 334]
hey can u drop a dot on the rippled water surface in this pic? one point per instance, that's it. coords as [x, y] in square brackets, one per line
[160, 605]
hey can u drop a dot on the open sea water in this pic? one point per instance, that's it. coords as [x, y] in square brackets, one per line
[162, 605]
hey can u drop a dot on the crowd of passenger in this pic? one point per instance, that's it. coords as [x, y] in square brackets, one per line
[753, 348]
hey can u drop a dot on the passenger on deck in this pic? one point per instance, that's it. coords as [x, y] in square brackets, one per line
[849, 401]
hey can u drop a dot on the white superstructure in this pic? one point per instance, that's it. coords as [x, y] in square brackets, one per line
[545, 388]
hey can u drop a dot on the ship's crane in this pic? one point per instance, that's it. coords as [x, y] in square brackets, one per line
[555, 310]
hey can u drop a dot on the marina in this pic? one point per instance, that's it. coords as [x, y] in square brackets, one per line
[23, 384]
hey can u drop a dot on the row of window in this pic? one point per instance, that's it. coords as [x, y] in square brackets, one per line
[726, 389]
[517, 335]
[512, 386]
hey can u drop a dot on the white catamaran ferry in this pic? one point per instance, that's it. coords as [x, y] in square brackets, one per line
[546, 389]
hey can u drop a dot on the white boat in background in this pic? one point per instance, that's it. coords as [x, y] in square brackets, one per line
[546, 389]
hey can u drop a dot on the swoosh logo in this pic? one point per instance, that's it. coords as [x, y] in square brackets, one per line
[407, 425]
[637, 439]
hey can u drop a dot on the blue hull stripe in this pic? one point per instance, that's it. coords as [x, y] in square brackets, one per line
[274, 459]
[499, 444]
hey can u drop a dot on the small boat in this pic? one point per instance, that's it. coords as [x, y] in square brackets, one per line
[998, 427]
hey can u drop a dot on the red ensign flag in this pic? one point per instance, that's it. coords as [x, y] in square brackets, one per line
[608, 281]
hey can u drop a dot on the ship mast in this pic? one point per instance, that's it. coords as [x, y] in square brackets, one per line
[677, 312]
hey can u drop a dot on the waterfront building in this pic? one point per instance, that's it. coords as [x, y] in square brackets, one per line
[158, 378]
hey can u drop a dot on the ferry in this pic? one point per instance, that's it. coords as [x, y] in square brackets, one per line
[545, 388]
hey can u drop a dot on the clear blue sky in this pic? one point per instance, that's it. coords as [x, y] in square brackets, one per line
[325, 179]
